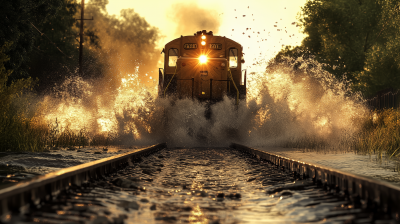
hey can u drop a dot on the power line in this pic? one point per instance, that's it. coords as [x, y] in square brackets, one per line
[43, 34]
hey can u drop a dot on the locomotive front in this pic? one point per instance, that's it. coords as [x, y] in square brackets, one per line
[203, 67]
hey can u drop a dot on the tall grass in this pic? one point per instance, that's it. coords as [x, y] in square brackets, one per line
[23, 128]
[58, 136]
[19, 130]
[19, 133]
[380, 134]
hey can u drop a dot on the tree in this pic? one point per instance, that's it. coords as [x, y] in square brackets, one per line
[55, 50]
[16, 19]
[382, 64]
[351, 37]
[119, 46]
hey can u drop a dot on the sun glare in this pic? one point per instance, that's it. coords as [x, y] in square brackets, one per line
[203, 59]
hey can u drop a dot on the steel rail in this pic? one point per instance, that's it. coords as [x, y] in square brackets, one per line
[19, 197]
[381, 193]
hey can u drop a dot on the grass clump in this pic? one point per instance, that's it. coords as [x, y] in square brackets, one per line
[380, 134]
[20, 130]
[58, 136]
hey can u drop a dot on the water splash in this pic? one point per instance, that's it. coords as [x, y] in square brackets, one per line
[296, 104]
[301, 105]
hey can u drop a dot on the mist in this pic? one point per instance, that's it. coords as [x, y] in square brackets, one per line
[120, 59]
[190, 18]
[124, 45]
[294, 104]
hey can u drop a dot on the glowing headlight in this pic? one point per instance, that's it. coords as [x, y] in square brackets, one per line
[203, 43]
[203, 59]
[203, 37]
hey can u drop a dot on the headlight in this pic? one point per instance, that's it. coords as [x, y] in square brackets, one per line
[203, 59]
[203, 43]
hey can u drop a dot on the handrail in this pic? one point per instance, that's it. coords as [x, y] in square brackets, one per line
[237, 90]
[165, 90]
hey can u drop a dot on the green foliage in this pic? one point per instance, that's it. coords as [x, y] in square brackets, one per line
[382, 64]
[9, 93]
[19, 130]
[358, 39]
[22, 127]
[340, 32]
[55, 52]
[32, 36]
[17, 17]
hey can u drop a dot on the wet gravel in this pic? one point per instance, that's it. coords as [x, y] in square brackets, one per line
[202, 185]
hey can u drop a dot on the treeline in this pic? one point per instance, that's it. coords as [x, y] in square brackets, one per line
[39, 42]
[35, 33]
[42, 39]
[359, 40]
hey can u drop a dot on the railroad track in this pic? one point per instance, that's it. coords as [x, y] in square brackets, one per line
[199, 185]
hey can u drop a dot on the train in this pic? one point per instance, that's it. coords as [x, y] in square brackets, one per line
[203, 67]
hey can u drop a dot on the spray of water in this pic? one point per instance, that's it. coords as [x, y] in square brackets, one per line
[296, 104]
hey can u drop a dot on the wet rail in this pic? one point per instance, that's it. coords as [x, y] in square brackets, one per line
[41, 188]
[373, 193]
[193, 185]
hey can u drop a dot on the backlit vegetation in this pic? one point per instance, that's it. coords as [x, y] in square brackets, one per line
[22, 128]
[380, 134]
[19, 128]
[371, 52]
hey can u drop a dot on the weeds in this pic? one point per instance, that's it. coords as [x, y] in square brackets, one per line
[21, 134]
[65, 137]
[19, 128]
[380, 134]
[22, 128]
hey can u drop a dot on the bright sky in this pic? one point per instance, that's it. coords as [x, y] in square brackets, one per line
[260, 15]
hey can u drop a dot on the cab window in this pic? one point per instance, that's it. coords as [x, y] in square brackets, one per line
[172, 57]
[233, 58]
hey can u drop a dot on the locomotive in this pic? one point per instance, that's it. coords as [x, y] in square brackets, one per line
[203, 67]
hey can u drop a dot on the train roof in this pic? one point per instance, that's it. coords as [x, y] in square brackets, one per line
[203, 32]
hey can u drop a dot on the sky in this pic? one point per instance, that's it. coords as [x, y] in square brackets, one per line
[269, 23]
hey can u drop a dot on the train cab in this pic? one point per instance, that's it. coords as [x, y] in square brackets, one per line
[203, 67]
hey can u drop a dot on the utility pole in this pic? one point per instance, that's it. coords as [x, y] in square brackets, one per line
[81, 39]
